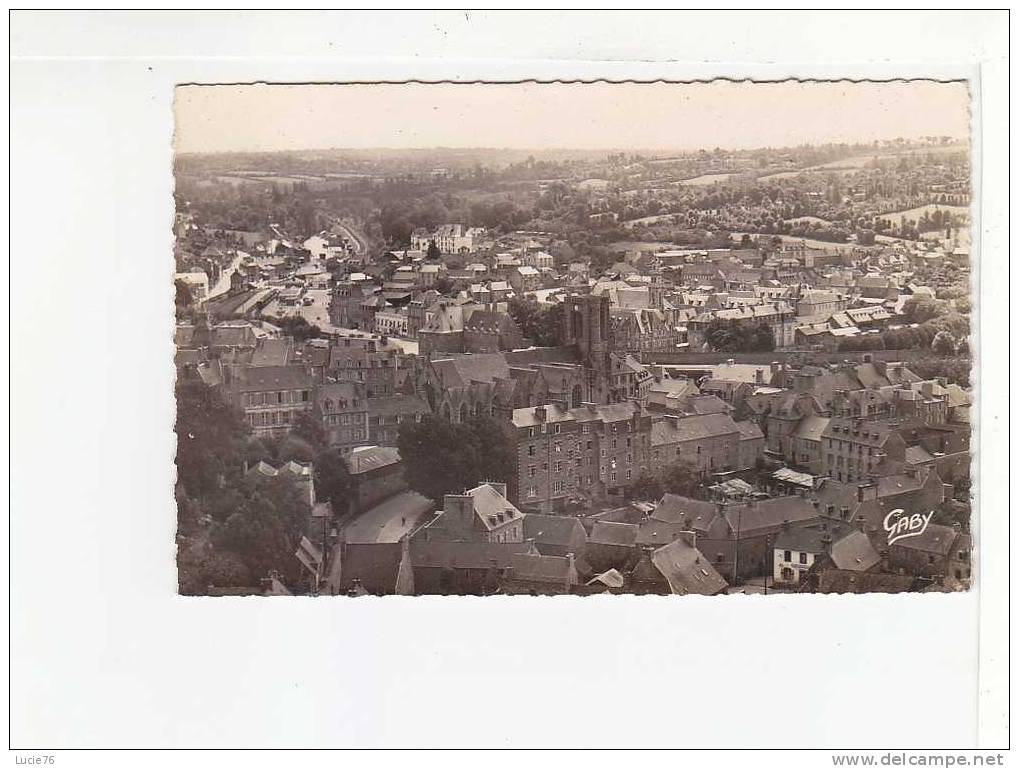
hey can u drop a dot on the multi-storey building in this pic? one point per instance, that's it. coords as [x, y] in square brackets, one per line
[270, 396]
[852, 449]
[586, 452]
[710, 443]
[343, 410]
[380, 368]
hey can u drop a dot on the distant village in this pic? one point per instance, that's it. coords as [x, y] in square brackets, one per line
[490, 410]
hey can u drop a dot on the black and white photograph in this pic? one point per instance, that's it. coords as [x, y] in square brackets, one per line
[665, 367]
[450, 382]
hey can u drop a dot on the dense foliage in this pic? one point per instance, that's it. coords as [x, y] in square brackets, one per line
[539, 324]
[726, 336]
[442, 457]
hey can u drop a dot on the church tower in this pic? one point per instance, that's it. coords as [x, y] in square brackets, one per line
[586, 324]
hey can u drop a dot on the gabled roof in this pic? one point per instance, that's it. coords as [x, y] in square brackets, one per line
[491, 508]
[555, 530]
[694, 514]
[686, 570]
[620, 534]
[255, 379]
[691, 428]
[854, 552]
[368, 458]
[462, 370]
[768, 513]
[530, 567]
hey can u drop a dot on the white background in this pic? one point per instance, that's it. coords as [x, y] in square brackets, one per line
[104, 654]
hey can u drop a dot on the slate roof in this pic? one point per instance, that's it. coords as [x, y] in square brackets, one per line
[464, 555]
[695, 513]
[393, 405]
[272, 378]
[691, 428]
[809, 537]
[556, 530]
[491, 507]
[847, 581]
[374, 566]
[687, 570]
[854, 552]
[529, 567]
[462, 370]
[368, 458]
[768, 513]
[935, 539]
[620, 534]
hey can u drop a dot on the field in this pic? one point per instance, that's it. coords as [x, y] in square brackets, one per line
[705, 179]
[930, 208]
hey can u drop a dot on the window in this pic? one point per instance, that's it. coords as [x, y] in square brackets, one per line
[613, 476]
[787, 556]
[629, 474]
[532, 491]
[557, 447]
[558, 467]
[803, 557]
[531, 471]
[556, 428]
[530, 450]
[558, 486]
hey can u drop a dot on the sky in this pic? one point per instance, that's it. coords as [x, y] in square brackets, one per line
[628, 116]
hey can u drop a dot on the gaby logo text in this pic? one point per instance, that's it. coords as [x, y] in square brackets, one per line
[900, 526]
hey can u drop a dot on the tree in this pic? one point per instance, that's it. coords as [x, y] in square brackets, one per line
[738, 337]
[645, 488]
[443, 285]
[944, 343]
[539, 324]
[184, 297]
[308, 427]
[918, 309]
[265, 527]
[299, 328]
[332, 480]
[433, 251]
[682, 478]
[202, 566]
[211, 438]
[440, 457]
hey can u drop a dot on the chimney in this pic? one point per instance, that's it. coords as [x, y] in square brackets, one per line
[774, 366]
[868, 358]
[866, 491]
[539, 413]
[458, 515]
[759, 376]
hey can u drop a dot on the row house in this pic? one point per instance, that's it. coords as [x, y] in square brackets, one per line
[587, 452]
[343, 410]
[710, 443]
[271, 397]
[853, 448]
[380, 368]
[387, 413]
